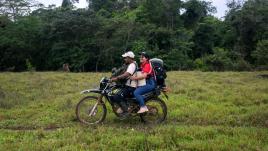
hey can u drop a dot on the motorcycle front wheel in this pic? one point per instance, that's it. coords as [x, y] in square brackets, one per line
[90, 111]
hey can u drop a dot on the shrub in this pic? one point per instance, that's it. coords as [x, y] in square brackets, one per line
[261, 55]
[29, 65]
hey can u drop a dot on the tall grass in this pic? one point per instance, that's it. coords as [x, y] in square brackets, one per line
[206, 111]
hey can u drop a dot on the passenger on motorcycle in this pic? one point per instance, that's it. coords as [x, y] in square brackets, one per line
[130, 85]
[148, 74]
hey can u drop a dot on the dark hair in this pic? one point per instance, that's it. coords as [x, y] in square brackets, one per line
[145, 55]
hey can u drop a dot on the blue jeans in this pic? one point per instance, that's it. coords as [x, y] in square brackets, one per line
[150, 85]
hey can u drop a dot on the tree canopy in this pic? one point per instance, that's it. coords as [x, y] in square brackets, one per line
[183, 33]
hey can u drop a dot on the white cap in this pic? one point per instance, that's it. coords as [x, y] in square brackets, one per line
[129, 54]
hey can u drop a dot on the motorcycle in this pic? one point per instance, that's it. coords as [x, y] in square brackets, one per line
[92, 108]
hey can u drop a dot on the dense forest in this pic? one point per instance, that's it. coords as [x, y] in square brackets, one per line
[185, 34]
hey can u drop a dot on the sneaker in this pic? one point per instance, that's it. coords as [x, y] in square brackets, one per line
[143, 109]
[119, 110]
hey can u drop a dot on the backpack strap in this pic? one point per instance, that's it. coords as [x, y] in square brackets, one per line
[136, 69]
[152, 69]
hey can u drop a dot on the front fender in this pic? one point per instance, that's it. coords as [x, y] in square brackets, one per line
[90, 91]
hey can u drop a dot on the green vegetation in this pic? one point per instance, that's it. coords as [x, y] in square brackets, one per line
[206, 111]
[184, 34]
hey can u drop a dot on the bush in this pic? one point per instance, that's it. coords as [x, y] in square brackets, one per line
[177, 60]
[199, 64]
[242, 65]
[219, 61]
[261, 55]
[29, 65]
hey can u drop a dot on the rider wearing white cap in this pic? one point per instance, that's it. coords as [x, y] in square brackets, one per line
[130, 84]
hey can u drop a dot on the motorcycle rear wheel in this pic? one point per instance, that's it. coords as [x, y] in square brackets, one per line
[157, 111]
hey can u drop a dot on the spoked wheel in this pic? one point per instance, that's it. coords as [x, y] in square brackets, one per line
[90, 111]
[157, 111]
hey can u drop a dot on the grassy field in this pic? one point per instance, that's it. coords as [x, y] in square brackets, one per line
[206, 111]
